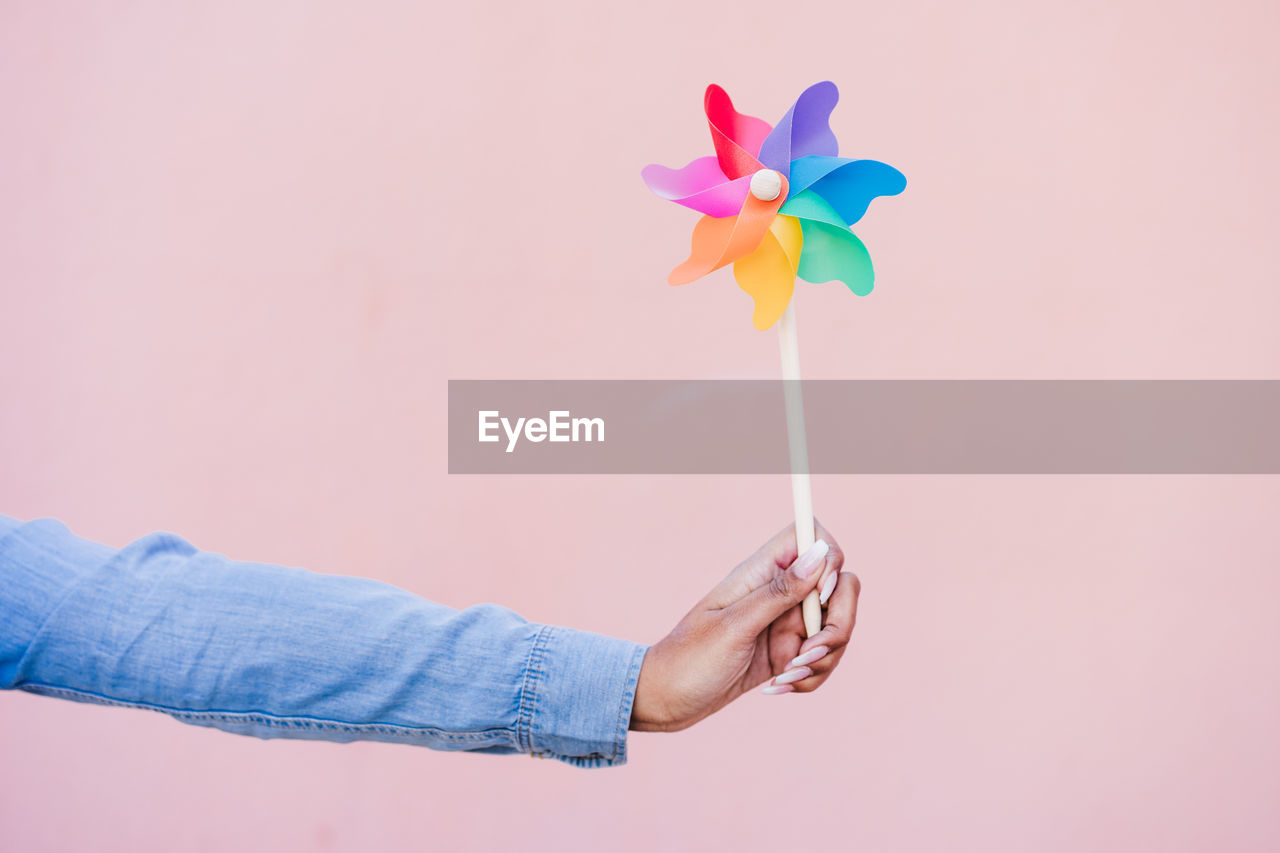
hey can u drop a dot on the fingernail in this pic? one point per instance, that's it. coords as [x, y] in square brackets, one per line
[811, 559]
[828, 587]
[793, 675]
[815, 653]
[774, 689]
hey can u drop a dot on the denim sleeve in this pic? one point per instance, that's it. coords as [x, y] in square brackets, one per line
[282, 652]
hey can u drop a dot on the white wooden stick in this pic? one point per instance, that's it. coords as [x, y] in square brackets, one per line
[798, 447]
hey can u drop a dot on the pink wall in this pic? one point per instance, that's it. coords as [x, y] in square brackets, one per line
[243, 245]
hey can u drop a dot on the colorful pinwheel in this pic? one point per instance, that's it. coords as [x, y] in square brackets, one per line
[778, 202]
[778, 205]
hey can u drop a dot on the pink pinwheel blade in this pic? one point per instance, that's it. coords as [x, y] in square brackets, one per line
[737, 137]
[700, 185]
[804, 130]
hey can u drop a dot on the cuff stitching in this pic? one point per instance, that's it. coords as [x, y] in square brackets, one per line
[628, 702]
[529, 689]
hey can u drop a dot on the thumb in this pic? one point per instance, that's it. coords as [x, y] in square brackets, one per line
[757, 610]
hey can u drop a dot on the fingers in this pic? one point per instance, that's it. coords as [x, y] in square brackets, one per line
[783, 643]
[766, 563]
[757, 570]
[820, 654]
[834, 565]
[756, 611]
[842, 614]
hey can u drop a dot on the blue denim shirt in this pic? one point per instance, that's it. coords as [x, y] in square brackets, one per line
[282, 652]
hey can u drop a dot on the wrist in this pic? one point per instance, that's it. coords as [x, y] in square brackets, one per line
[649, 711]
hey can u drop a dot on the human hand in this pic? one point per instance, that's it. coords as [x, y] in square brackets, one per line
[747, 630]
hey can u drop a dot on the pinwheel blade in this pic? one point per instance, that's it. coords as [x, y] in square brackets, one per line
[737, 137]
[847, 185]
[718, 242]
[835, 254]
[805, 129]
[810, 205]
[768, 276]
[787, 231]
[700, 185]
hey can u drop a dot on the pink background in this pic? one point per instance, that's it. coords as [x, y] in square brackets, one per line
[243, 245]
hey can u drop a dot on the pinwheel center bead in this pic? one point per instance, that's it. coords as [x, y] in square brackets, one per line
[766, 184]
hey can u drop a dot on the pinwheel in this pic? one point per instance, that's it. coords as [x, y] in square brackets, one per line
[778, 203]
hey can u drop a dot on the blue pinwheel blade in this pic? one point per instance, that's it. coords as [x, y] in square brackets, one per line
[847, 185]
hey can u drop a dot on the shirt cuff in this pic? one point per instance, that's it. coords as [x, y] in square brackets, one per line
[578, 691]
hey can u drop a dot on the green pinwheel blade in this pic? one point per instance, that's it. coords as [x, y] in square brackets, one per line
[809, 205]
[832, 253]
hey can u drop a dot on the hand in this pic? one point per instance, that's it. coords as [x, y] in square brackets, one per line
[747, 630]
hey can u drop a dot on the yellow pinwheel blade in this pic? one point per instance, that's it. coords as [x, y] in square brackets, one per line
[769, 273]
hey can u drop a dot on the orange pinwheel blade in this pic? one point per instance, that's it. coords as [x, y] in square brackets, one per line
[718, 242]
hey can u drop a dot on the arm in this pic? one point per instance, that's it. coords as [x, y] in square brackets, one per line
[281, 652]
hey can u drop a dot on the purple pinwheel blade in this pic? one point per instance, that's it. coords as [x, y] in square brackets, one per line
[804, 130]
